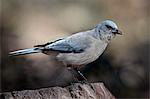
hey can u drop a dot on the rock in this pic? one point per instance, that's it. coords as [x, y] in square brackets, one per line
[75, 91]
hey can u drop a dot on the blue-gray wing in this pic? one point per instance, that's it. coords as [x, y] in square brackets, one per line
[68, 45]
[64, 48]
[43, 45]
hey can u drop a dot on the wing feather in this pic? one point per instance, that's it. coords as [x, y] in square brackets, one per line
[74, 44]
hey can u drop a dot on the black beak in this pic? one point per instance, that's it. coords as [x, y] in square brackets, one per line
[116, 31]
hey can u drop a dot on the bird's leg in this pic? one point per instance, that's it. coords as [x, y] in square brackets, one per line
[85, 80]
[74, 73]
[73, 70]
[81, 75]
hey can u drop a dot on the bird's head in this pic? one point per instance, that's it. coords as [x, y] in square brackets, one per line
[107, 30]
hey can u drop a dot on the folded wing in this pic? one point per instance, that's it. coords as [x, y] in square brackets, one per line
[68, 45]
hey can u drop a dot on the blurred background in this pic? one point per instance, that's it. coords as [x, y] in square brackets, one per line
[123, 68]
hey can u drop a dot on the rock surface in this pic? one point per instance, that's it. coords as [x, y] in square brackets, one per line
[75, 91]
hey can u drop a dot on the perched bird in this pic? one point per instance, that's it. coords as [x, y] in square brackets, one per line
[78, 49]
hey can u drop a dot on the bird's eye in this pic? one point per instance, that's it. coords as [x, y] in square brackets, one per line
[108, 26]
[99, 31]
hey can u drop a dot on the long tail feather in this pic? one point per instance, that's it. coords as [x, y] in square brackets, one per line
[25, 51]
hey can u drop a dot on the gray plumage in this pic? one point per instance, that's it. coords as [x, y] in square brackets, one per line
[25, 51]
[80, 48]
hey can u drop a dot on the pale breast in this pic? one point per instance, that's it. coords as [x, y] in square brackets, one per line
[88, 56]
